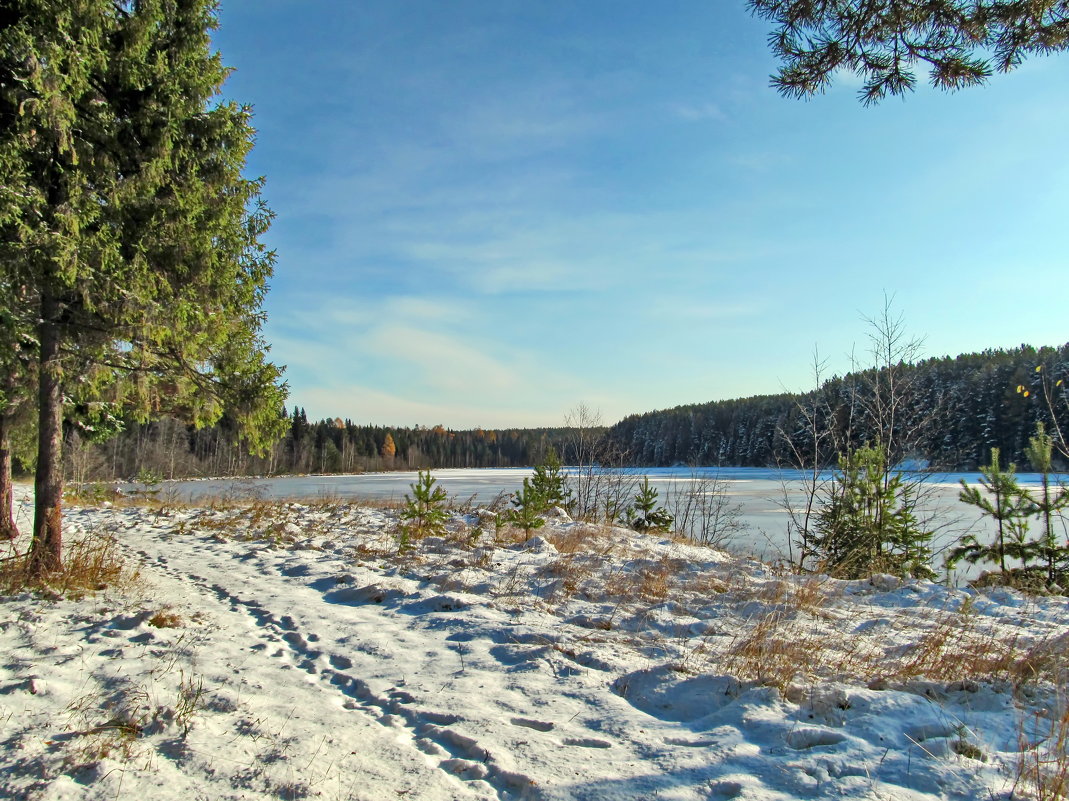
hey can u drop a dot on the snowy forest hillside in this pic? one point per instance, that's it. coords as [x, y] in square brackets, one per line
[956, 409]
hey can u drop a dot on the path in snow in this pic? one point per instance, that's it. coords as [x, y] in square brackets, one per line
[330, 670]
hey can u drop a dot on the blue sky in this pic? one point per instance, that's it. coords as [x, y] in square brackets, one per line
[490, 211]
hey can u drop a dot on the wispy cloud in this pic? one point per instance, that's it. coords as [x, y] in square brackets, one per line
[442, 362]
[514, 207]
[696, 112]
[363, 404]
[421, 348]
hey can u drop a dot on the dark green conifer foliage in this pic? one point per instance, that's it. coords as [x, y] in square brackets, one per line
[127, 225]
[960, 43]
[528, 506]
[1005, 503]
[551, 482]
[424, 513]
[869, 523]
[1050, 502]
[645, 514]
[16, 391]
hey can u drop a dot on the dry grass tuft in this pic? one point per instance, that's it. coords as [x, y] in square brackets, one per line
[776, 651]
[1047, 660]
[165, 618]
[92, 563]
[702, 584]
[797, 594]
[585, 538]
[811, 595]
[125, 714]
[780, 647]
[284, 522]
[956, 648]
[1043, 764]
[653, 582]
[953, 649]
[571, 572]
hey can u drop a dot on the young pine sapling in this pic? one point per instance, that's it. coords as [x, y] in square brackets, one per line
[644, 514]
[424, 513]
[1003, 500]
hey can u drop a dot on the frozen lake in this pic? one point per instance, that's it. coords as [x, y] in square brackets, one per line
[760, 493]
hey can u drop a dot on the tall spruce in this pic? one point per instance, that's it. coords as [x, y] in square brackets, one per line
[127, 224]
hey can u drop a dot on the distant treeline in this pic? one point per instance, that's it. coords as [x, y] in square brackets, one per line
[171, 449]
[954, 410]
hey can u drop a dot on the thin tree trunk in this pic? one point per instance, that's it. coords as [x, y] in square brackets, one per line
[8, 529]
[47, 547]
[1049, 545]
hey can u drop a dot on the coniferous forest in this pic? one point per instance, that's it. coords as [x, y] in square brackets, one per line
[955, 409]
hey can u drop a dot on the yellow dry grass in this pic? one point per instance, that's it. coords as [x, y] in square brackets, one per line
[91, 563]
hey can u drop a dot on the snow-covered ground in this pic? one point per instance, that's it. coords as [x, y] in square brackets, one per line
[288, 651]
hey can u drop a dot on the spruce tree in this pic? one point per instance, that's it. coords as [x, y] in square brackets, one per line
[550, 481]
[869, 522]
[528, 506]
[645, 513]
[127, 225]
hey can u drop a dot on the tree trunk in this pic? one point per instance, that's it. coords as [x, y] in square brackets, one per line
[8, 529]
[46, 549]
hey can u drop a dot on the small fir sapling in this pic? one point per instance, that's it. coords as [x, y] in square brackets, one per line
[424, 513]
[1050, 502]
[1004, 502]
[868, 523]
[644, 514]
[529, 504]
[550, 481]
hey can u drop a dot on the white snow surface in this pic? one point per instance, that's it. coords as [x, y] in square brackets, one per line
[304, 659]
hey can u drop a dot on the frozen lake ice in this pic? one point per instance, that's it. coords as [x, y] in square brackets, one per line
[760, 492]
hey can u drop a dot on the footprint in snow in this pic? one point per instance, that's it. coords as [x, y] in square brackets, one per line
[442, 719]
[689, 743]
[537, 725]
[296, 640]
[587, 742]
[808, 737]
[430, 747]
[340, 662]
[464, 768]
